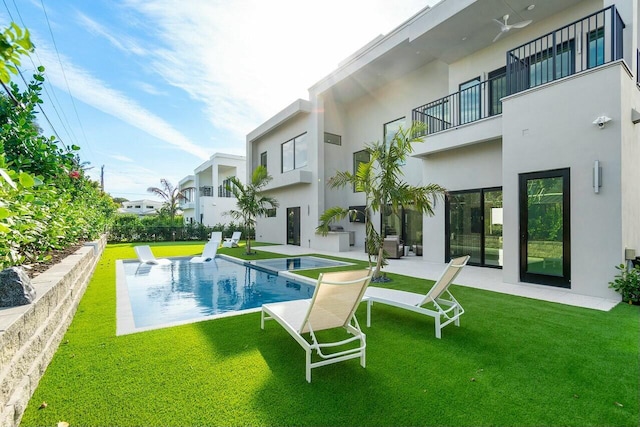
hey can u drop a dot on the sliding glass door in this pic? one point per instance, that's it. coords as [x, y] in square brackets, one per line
[474, 226]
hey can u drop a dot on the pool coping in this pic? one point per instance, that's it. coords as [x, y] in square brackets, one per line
[253, 264]
[125, 324]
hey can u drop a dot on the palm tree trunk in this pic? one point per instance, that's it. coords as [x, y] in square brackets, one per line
[376, 274]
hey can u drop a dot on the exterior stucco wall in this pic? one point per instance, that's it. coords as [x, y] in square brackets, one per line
[540, 133]
[473, 167]
[303, 195]
[630, 185]
[362, 122]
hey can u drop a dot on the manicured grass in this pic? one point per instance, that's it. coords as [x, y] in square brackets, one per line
[513, 361]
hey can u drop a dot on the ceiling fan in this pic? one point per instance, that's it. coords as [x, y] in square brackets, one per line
[504, 27]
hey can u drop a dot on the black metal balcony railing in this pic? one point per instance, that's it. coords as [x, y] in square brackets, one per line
[579, 46]
[223, 192]
[584, 44]
[476, 102]
[206, 191]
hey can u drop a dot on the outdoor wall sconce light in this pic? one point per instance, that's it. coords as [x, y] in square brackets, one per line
[597, 176]
[635, 116]
[601, 121]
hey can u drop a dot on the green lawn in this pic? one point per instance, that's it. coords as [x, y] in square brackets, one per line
[513, 361]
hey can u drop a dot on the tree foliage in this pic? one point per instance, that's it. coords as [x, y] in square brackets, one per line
[46, 201]
[14, 43]
[172, 196]
[382, 182]
[251, 201]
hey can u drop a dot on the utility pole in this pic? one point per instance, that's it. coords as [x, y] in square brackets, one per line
[102, 178]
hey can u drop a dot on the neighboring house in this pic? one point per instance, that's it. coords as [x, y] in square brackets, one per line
[534, 134]
[188, 206]
[208, 199]
[141, 207]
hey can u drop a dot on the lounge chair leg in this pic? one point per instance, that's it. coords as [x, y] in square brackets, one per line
[363, 356]
[457, 314]
[438, 328]
[308, 366]
[369, 304]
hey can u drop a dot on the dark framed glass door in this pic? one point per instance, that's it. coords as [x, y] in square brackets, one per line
[545, 243]
[407, 223]
[293, 226]
[474, 226]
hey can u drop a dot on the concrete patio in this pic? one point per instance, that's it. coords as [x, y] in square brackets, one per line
[475, 277]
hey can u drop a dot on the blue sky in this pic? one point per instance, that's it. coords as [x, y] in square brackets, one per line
[152, 88]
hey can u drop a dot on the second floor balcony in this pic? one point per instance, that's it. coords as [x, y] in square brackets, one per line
[585, 44]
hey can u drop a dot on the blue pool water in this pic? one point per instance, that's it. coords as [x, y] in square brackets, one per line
[297, 263]
[183, 291]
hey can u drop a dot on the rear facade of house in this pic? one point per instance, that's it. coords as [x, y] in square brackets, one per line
[534, 134]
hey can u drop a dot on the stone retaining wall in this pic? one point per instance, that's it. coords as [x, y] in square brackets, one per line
[30, 334]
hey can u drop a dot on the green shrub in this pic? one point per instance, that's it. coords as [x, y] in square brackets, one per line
[627, 283]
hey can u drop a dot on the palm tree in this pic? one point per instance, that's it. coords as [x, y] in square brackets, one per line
[381, 180]
[172, 197]
[250, 200]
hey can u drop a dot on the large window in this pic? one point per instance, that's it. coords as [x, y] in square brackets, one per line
[223, 191]
[474, 226]
[596, 48]
[551, 64]
[294, 153]
[358, 158]
[497, 90]
[391, 129]
[470, 101]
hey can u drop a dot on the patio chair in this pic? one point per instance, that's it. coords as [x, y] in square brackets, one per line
[392, 246]
[332, 306]
[446, 308]
[145, 256]
[232, 242]
[216, 236]
[208, 254]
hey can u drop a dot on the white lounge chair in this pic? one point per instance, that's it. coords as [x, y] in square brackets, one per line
[333, 305]
[145, 256]
[216, 236]
[445, 308]
[232, 242]
[208, 253]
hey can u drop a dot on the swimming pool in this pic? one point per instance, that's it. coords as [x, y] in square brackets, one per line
[154, 296]
[296, 263]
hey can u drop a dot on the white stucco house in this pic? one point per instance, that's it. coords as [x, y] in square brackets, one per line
[207, 197]
[534, 133]
[141, 207]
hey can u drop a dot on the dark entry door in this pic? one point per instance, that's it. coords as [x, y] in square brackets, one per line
[545, 244]
[293, 226]
[474, 226]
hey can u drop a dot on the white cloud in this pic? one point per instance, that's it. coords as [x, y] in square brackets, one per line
[246, 60]
[97, 94]
[125, 44]
[131, 181]
[121, 158]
